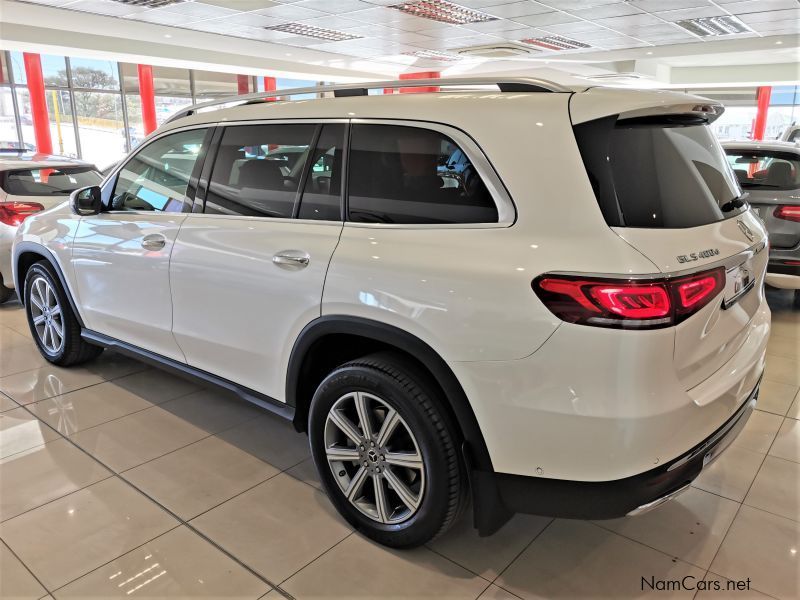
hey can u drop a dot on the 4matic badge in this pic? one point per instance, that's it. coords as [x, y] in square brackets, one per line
[684, 258]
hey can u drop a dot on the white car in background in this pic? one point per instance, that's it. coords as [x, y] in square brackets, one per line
[572, 323]
[30, 183]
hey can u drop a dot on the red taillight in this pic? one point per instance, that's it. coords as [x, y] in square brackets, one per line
[628, 303]
[14, 213]
[787, 213]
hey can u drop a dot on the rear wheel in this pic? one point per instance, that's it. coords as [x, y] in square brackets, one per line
[385, 450]
[54, 327]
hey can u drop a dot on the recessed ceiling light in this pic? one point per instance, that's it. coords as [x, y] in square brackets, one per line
[555, 42]
[314, 32]
[433, 55]
[778, 43]
[167, 35]
[151, 3]
[648, 53]
[443, 12]
[712, 26]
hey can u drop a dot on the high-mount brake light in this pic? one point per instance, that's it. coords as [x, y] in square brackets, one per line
[628, 303]
[14, 213]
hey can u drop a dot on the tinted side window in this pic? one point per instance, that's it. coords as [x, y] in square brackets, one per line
[258, 169]
[322, 192]
[401, 175]
[157, 177]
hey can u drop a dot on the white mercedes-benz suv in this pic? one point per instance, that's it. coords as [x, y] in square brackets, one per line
[539, 299]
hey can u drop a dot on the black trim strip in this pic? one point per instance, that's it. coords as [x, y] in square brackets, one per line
[271, 404]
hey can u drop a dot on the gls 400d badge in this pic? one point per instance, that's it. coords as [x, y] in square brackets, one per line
[684, 258]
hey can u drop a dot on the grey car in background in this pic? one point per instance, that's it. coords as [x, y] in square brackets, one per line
[769, 173]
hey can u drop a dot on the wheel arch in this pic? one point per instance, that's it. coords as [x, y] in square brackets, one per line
[312, 357]
[28, 253]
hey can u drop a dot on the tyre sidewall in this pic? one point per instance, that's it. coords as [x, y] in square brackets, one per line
[432, 513]
[36, 271]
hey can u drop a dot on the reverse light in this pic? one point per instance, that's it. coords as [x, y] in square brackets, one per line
[787, 213]
[627, 303]
[14, 213]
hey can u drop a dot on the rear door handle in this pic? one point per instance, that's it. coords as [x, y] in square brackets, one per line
[291, 260]
[154, 241]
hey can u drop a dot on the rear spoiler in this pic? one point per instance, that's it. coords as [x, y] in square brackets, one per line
[706, 113]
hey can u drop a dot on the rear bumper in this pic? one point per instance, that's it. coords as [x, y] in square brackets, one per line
[498, 495]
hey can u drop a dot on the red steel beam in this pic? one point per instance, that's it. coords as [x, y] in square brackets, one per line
[422, 75]
[243, 84]
[41, 120]
[270, 85]
[148, 96]
[760, 126]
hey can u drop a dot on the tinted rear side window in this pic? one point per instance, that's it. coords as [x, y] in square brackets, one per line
[258, 170]
[658, 174]
[322, 192]
[765, 169]
[401, 175]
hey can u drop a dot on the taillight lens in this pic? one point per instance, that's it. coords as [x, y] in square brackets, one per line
[626, 303]
[787, 213]
[14, 213]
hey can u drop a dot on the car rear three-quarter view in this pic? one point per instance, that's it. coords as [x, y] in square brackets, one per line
[557, 310]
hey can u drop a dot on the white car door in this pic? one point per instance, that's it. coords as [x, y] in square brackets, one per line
[121, 256]
[247, 274]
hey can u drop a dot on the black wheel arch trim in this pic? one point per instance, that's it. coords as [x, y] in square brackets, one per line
[23, 247]
[474, 443]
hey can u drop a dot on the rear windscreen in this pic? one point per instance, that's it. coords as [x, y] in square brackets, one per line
[658, 174]
[765, 169]
[49, 181]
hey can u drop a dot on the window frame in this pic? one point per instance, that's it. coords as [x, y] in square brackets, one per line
[110, 184]
[506, 210]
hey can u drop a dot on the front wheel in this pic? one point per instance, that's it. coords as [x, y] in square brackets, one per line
[386, 450]
[54, 327]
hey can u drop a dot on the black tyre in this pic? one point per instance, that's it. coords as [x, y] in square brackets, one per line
[796, 302]
[54, 327]
[386, 450]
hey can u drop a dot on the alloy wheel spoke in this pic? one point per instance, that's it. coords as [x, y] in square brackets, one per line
[356, 483]
[387, 427]
[56, 311]
[410, 460]
[346, 427]
[46, 335]
[58, 329]
[39, 320]
[342, 454]
[363, 415]
[406, 495]
[381, 504]
[36, 302]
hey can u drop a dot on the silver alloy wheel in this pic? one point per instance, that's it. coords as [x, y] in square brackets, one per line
[48, 319]
[374, 457]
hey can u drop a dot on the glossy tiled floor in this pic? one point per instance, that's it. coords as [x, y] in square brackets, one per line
[122, 481]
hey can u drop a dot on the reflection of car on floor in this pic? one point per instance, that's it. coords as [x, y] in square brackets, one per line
[571, 321]
[30, 183]
[770, 174]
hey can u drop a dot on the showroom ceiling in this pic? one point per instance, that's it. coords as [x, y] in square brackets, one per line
[438, 34]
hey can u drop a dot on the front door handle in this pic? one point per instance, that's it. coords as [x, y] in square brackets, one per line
[154, 241]
[291, 260]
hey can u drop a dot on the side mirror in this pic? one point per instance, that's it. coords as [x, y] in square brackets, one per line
[86, 201]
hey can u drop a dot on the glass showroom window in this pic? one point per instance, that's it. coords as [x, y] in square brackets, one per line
[101, 127]
[59, 112]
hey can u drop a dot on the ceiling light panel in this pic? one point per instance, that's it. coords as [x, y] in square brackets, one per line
[714, 26]
[151, 3]
[320, 33]
[555, 42]
[433, 55]
[443, 12]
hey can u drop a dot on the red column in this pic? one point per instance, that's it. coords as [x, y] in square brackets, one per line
[760, 125]
[422, 75]
[148, 96]
[270, 85]
[243, 84]
[41, 120]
